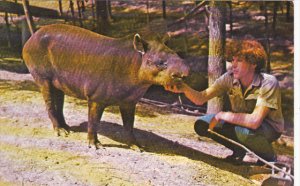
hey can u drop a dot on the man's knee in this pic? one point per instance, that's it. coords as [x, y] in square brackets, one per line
[201, 127]
[242, 133]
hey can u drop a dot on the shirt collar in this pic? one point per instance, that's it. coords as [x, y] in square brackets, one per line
[256, 81]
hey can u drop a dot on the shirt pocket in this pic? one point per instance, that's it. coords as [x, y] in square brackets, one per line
[237, 102]
[250, 102]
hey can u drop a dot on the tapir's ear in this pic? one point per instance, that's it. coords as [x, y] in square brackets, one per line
[139, 44]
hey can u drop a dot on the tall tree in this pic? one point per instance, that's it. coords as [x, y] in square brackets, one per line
[109, 9]
[216, 64]
[230, 17]
[9, 42]
[164, 9]
[267, 35]
[80, 10]
[148, 16]
[29, 19]
[60, 7]
[288, 9]
[275, 8]
[102, 16]
[72, 11]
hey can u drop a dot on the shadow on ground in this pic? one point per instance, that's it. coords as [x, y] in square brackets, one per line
[160, 145]
[13, 65]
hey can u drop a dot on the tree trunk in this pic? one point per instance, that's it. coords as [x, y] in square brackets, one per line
[60, 7]
[28, 16]
[82, 6]
[275, 8]
[109, 9]
[148, 16]
[216, 64]
[101, 16]
[72, 11]
[164, 9]
[288, 9]
[91, 4]
[230, 17]
[8, 31]
[267, 35]
[79, 12]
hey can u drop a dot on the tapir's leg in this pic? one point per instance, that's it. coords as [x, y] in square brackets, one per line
[127, 113]
[59, 104]
[50, 96]
[95, 114]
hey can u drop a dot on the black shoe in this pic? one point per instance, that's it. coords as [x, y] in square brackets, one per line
[236, 159]
[270, 160]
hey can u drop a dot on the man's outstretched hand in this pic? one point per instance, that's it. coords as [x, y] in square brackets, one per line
[177, 87]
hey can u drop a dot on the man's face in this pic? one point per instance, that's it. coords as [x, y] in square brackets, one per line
[241, 68]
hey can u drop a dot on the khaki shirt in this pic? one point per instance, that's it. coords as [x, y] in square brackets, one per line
[264, 91]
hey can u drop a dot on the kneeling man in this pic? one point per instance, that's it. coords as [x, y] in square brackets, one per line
[255, 119]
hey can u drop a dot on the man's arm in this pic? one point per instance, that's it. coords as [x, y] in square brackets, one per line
[252, 121]
[199, 98]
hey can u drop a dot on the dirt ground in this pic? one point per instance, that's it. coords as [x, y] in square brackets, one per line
[31, 154]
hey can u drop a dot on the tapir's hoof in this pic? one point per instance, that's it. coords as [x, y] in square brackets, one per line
[95, 143]
[137, 147]
[62, 131]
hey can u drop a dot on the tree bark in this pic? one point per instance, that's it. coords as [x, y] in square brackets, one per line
[9, 42]
[148, 16]
[267, 35]
[60, 7]
[230, 17]
[164, 9]
[109, 10]
[216, 64]
[101, 16]
[72, 11]
[79, 12]
[275, 8]
[288, 9]
[28, 16]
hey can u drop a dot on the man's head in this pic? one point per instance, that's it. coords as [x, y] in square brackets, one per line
[247, 50]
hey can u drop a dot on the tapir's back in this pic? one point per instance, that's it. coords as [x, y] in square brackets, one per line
[66, 46]
[74, 58]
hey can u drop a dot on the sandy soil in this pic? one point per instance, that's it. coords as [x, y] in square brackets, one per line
[31, 154]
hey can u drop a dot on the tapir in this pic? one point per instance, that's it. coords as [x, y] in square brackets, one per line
[105, 71]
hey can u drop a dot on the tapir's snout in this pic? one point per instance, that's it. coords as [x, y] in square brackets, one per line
[180, 73]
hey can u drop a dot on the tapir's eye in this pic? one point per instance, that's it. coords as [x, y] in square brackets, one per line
[162, 64]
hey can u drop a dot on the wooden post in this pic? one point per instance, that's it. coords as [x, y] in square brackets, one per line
[28, 16]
